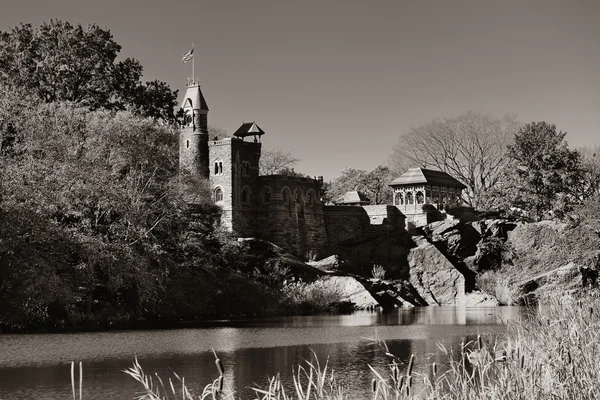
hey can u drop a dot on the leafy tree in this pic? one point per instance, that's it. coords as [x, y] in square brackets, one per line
[374, 184]
[543, 173]
[96, 218]
[471, 147]
[590, 160]
[63, 62]
[277, 161]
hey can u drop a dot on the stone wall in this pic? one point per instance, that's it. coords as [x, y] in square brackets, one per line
[293, 216]
[344, 223]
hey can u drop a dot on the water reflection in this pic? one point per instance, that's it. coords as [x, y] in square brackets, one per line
[37, 366]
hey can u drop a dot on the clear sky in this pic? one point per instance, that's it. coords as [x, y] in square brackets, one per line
[337, 82]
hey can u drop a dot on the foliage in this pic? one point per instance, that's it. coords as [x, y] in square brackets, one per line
[277, 162]
[544, 175]
[93, 221]
[59, 61]
[374, 184]
[378, 272]
[590, 161]
[307, 298]
[216, 133]
[471, 147]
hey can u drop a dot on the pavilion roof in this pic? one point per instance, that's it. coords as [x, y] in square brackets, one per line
[427, 176]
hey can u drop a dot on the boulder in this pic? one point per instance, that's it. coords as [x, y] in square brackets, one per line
[329, 264]
[567, 279]
[394, 294]
[435, 279]
[477, 299]
[454, 238]
[493, 228]
[349, 289]
[527, 237]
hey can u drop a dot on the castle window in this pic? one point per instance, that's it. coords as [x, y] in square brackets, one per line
[399, 199]
[245, 168]
[220, 167]
[298, 196]
[309, 199]
[420, 198]
[409, 198]
[267, 195]
[245, 195]
[187, 144]
[216, 168]
[286, 196]
[218, 194]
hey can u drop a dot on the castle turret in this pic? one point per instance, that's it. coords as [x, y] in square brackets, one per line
[193, 140]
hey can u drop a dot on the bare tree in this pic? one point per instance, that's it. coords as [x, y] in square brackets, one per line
[471, 147]
[276, 160]
[214, 132]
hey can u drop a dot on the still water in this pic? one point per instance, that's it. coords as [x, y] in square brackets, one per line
[38, 366]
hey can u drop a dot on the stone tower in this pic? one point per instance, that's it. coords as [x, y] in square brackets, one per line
[193, 139]
[234, 177]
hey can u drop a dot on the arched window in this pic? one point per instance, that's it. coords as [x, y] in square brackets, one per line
[245, 195]
[298, 197]
[218, 194]
[187, 144]
[420, 198]
[399, 199]
[266, 195]
[216, 168]
[220, 167]
[409, 198]
[285, 194]
[310, 198]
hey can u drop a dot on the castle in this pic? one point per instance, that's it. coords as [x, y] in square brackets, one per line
[285, 210]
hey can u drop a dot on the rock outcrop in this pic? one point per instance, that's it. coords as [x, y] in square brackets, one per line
[435, 278]
[349, 289]
[567, 279]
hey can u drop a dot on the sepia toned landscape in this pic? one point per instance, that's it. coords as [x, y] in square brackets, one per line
[283, 201]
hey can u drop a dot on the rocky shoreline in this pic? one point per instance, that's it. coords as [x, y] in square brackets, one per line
[482, 263]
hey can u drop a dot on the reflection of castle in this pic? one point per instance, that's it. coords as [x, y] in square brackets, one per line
[282, 209]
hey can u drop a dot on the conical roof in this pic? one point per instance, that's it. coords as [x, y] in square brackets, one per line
[194, 98]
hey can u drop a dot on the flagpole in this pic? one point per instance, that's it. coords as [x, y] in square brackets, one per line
[193, 67]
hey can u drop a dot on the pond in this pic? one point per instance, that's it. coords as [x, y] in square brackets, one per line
[37, 366]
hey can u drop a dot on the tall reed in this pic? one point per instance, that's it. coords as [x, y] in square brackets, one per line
[553, 354]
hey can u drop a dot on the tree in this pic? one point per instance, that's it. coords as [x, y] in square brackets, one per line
[590, 161]
[91, 217]
[544, 174]
[275, 161]
[374, 184]
[471, 147]
[216, 132]
[63, 62]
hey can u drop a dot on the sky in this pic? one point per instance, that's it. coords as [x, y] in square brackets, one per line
[338, 82]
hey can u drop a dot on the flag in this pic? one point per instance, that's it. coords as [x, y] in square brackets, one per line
[188, 56]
